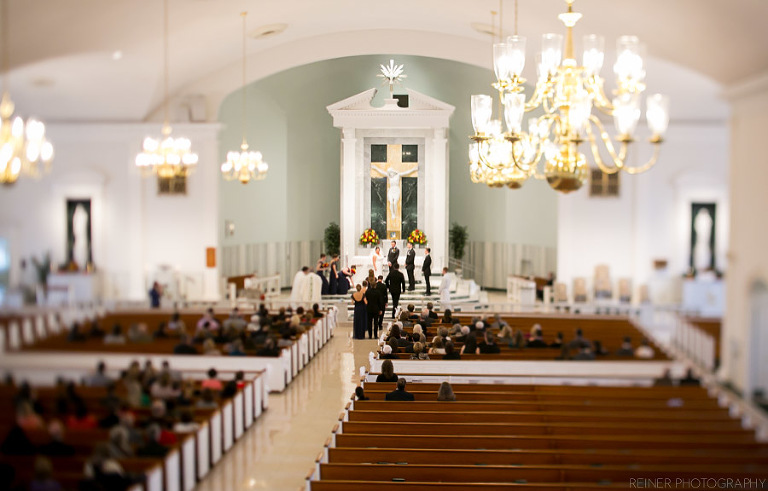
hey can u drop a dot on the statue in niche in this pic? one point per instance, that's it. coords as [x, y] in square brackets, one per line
[80, 236]
[393, 184]
[702, 251]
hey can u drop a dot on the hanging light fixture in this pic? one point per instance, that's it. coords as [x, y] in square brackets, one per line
[24, 150]
[166, 157]
[245, 166]
[566, 91]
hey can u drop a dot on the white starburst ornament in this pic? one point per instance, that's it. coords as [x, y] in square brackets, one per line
[392, 74]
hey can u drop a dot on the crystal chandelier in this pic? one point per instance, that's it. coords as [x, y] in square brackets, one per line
[23, 147]
[565, 92]
[166, 157]
[245, 166]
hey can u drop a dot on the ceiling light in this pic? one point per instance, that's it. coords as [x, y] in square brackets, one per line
[166, 157]
[566, 91]
[245, 166]
[117, 55]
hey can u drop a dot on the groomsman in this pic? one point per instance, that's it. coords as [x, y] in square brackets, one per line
[426, 270]
[410, 265]
[384, 299]
[393, 255]
[396, 284]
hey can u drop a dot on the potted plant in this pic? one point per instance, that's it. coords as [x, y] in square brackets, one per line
[332, 238]
[457, 241]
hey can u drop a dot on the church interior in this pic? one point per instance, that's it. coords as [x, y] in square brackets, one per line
[567, 190]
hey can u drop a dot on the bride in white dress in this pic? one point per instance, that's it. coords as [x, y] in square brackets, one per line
[377, 259]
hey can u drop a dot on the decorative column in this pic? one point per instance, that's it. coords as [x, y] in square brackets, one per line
[349, 192]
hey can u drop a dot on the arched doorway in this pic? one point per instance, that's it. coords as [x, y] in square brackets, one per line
[757, 388]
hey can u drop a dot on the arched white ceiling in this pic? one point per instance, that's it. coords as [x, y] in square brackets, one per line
[62, 66]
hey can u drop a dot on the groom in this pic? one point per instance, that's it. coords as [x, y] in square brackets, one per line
[393, 255]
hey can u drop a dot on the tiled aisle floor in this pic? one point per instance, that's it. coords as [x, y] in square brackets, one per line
[278, 451]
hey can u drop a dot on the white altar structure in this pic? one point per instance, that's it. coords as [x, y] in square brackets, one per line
[422, 127]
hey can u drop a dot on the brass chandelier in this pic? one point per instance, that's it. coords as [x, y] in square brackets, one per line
[166, 157]
[24, 149]
[565, 91]
[245, 166]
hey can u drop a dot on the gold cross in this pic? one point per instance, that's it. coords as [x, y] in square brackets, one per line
[395, 163]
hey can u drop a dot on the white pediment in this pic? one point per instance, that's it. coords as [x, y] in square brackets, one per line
[423, 112]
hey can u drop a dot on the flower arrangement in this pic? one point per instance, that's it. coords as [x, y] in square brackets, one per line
[353, 270]
[369, 236]
[417, 237]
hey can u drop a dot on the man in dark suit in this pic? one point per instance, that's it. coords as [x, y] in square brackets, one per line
[426, 270]
[381, 288]
[410, 265]
[400, 394]
[372, 308]
[393, 255]
[396, 285]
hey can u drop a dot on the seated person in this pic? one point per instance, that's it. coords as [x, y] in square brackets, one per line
[419, 353]
[269, 349]
[99, 378]
[506, 334]
[75, 335]
[387, 372]
[470, 345]
[360, 394]
[432, 314]
[186, 423]
[599, 350]
[138, 333]
[450, 353]
[56, 447]
[152, 446]
[537, 341]
[488, 346]
[208, 317]
[212, 382]
[447, 317]
[104, 469]
[445, 392]
[665, 380]
[412, 314]
[43, 477]
[235, 320]
[644, 351]
[184, 347]
[558, 342]
[82, 419]
[626, 348]
[210, 349]
[462, 338]
[236, 348]
[689, 379]
[585, 353]
[387, 354]
[115, 336]
[438, 346]
[207, 400]
[176, 326]
[400, 394]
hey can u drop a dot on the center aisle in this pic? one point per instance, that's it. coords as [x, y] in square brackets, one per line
[278, 451]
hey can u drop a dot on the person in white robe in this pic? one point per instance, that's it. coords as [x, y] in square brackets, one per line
[300, 290]
[445, 290]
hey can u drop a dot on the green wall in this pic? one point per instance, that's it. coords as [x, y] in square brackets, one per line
[288, 123]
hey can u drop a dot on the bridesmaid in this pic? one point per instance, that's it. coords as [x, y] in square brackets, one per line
[360, 316]
[320, 269]
[333, 278]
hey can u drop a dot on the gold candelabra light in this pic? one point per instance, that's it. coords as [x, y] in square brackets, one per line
[245, 166]
[565, 92]
[166, 157]
[24, 149]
